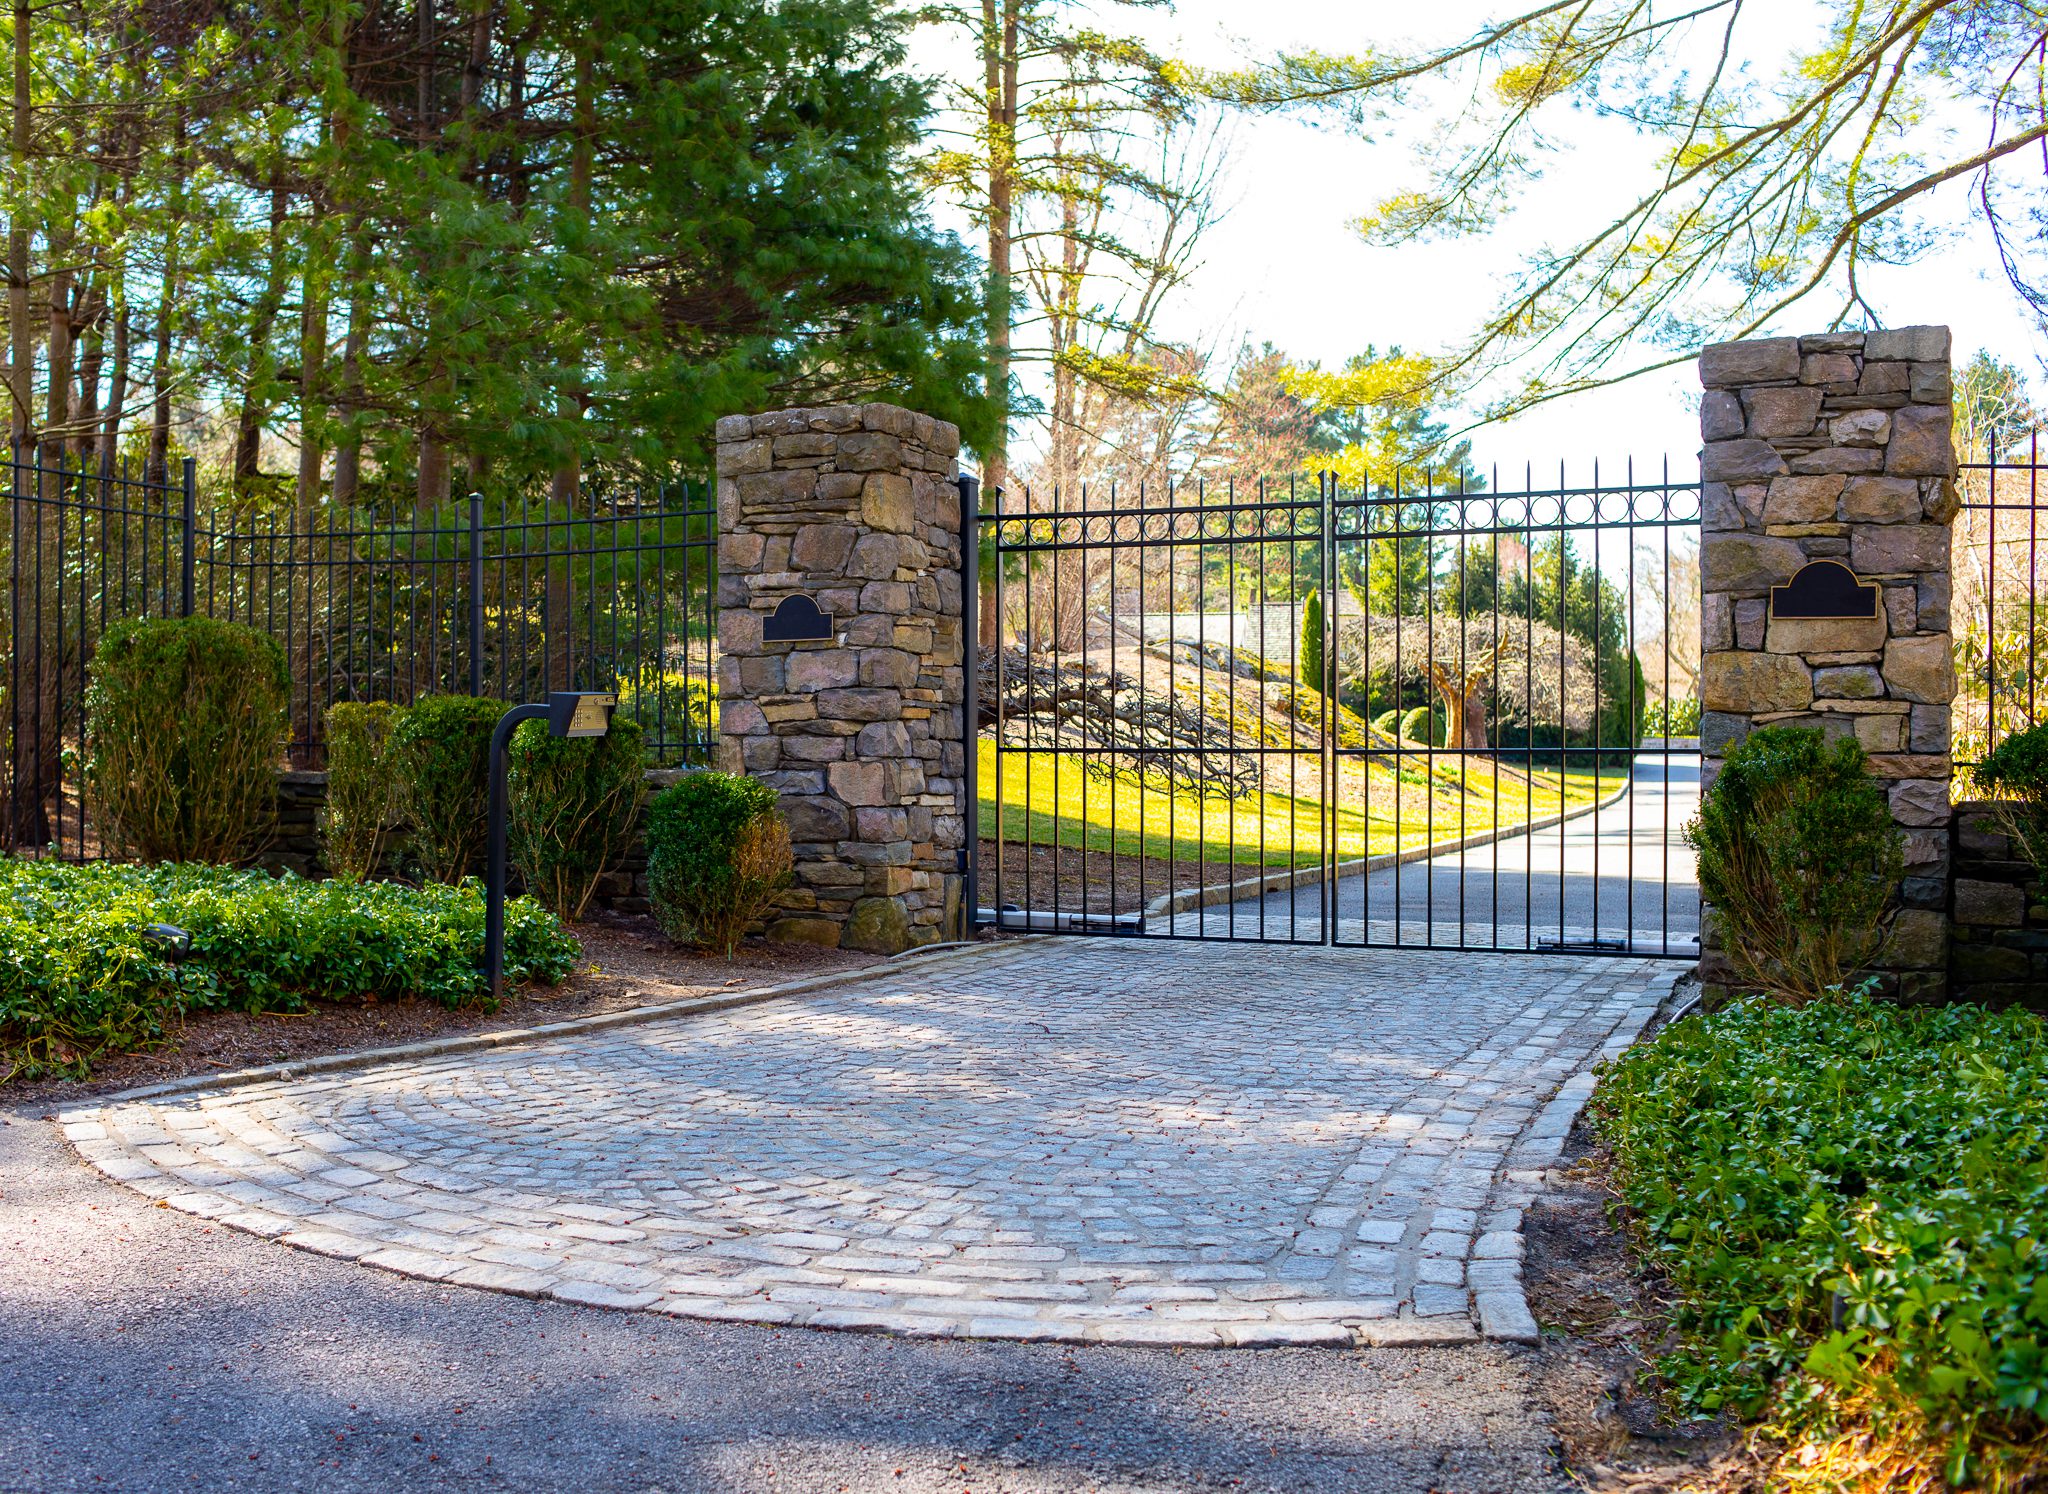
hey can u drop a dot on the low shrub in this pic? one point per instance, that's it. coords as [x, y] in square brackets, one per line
[1799, 857]
[574, 801]
[441, 750]
[185, 721]
[79, 979]
[2015, 773]
[362, 790]
[1850, 1201]
[1425, 725]
[1388, 722]
[716, 851]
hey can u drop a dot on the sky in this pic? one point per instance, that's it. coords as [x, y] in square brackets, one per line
[1284, 265]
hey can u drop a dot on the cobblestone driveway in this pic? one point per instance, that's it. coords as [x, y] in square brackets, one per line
[1072, 1140]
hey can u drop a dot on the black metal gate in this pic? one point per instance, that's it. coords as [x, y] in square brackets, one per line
[1305, 712]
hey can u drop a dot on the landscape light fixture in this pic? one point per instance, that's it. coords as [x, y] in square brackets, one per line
[569, 713]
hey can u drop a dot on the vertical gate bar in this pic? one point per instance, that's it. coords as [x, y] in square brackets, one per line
[1664, 828]
[996, 579]
[1563, 727]
[2033, 539]
[187, 557]
[476, 593]
[1326, 482]
[970, 701]
[1293, 729]
[1632, 723]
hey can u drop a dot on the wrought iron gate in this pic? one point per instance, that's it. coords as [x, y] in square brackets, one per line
[1481, 768]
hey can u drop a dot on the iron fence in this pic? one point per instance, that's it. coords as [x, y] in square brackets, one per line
[507, 597]
[1160, 755]
[1995, 612]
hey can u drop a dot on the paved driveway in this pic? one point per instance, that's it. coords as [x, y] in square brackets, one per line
[1623, 873]
[1100, 1141]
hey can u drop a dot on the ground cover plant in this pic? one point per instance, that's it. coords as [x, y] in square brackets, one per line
[717, 850]
[1799, 857]
[1850, 1199]
[81, 975]
[185, 723]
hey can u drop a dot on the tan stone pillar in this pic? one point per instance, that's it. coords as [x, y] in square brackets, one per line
[1837, 448]
[845, 521]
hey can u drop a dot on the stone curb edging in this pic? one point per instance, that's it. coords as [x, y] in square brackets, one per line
[1504, 1312]
[1169, 904]
[368, 1058]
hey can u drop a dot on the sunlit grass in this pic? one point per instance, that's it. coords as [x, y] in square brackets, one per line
[1048, 798]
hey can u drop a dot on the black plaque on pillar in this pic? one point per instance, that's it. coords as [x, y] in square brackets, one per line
[1824, 589]
[797, 619]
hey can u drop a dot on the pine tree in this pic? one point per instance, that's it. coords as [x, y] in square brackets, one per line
[1312, 667]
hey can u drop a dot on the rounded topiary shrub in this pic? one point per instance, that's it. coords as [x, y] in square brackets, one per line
[362, 791]
[441, 750]
[1424, 725]
[717, 850]
[185, 725]
[574, 800]
[1799, 857]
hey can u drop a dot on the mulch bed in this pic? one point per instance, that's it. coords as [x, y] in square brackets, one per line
[1605, 1324]
[627, 963]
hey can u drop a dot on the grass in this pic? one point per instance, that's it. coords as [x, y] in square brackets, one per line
[1053, 799]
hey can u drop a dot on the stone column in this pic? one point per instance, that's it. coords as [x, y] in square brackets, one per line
[1837, 447]
[854, 508]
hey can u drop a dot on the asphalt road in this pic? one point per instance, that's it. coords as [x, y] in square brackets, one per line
[1624, 874]
[142, 1349]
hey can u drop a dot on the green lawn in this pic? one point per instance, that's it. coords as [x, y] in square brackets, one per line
[1051, 799]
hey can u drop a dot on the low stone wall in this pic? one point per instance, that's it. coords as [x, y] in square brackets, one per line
[1998, 949]
[295, 844]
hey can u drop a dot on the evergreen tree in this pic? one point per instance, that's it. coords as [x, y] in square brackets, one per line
[1312, 667]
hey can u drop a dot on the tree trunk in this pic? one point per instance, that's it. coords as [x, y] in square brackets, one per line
[348, 449]
[1464, 712]
[157, 466]
[262, 363]
[999, 57]
[92, 360]
[117, 386]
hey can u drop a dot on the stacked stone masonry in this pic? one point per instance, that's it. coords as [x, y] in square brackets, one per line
[1998, 950]
[1838, 447]
[856, 507]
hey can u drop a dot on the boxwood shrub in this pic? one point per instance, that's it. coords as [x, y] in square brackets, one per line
[79, 979]
[1850, 1199]
[362, 788]
[574, 801]
[1800, 858]
[185, 726]
[441, 751]
[717, 850]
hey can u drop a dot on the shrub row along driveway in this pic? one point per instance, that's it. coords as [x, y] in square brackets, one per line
[1196, 1145]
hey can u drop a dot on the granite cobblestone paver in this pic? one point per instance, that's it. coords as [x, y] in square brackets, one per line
[1082, 1141]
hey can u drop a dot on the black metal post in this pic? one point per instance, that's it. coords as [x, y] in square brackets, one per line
[187, 558]
[476, 594]
[494, 880]
[970, 701]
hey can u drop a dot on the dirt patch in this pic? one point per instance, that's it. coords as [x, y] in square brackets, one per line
[627, 963]
[1606, 1323]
